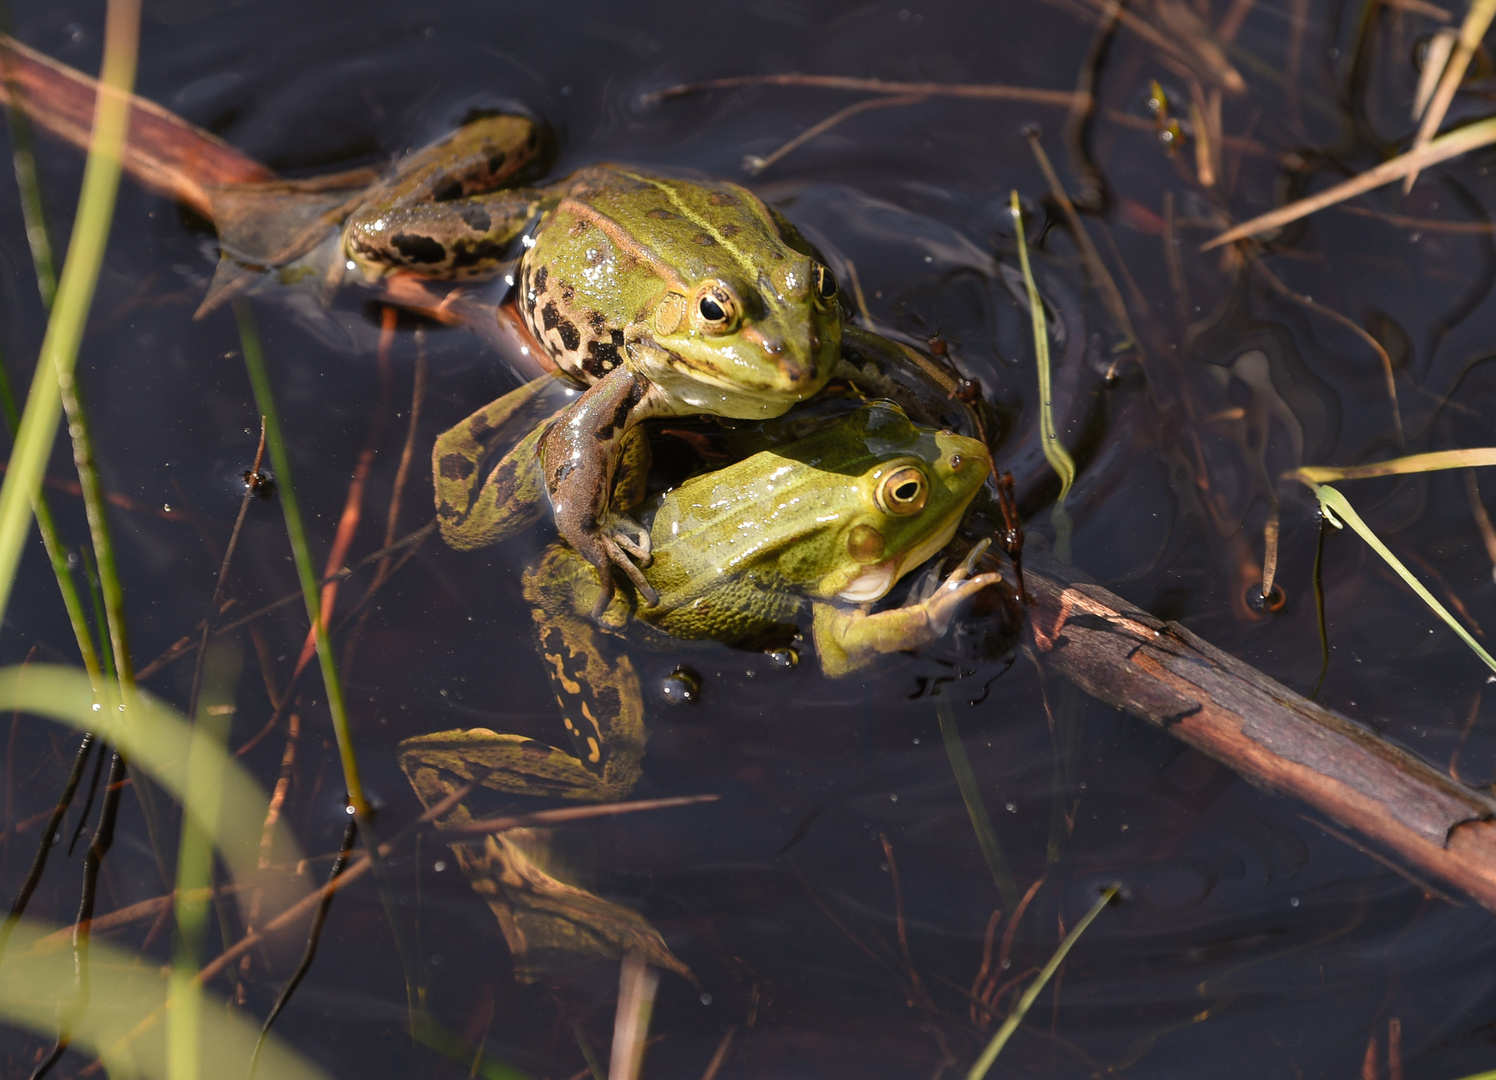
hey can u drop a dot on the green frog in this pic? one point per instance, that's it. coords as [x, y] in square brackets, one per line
[829, 521]
[661, 296]
[850, 500]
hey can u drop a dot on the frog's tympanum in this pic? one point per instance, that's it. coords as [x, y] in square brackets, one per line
[828, 521]
[664, 297]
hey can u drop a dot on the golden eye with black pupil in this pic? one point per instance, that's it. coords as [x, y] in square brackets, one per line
[825, 284]
[903, 492]
[716, 309]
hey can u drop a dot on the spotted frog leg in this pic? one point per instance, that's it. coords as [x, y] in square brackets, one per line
[580, 453]
[548, 923]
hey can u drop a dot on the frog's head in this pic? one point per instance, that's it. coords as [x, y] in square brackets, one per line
[735, 345]
[847, 511]
[728, 310]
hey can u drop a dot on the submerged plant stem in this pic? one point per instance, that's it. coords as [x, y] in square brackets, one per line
[280, 459]
[976, 808]
[314, 935]
[1026, 1002]
[1054, 451]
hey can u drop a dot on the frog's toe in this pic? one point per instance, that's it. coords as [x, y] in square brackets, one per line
[614, 554]
[632, 538]
[953, 596]
[635, 575]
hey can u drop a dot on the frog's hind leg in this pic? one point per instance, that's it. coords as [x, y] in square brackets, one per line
[461, 239]
[596, 687]
[440, 763]
[486, 469]
[482, 155]
[548, 923]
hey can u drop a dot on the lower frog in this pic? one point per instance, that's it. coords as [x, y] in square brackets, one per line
[829, 521]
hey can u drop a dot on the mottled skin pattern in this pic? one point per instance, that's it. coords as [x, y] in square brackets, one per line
[438, 214]
[737, 551]
[832, 518]
[663, 296]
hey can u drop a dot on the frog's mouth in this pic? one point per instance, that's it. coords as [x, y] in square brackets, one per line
[872, 582]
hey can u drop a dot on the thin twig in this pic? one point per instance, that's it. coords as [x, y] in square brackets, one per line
[103, 839]
[755, 165]
[1453, 144]
[982, 91]
[1472, 32]
[48, 838]
[250, 487]
[1101, 278]
[314, 935]
[1330, 313]
[919, 997]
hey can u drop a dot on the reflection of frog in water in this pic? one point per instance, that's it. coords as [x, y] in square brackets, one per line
[664, 297]
[831, 519]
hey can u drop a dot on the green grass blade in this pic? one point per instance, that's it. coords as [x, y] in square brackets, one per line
[1026, 1002]
[56, 554]
[976, 808]
[280, 459]
[153, 738]
[205, 758]
[1049, 440]
[80, 274]
[1335, 505]
[35, 985]
[1402, 466]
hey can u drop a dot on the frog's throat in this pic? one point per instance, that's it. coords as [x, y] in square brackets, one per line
[872, 582]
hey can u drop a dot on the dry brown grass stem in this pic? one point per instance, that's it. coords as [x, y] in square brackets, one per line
[1457, 142]
[1376, 346]
[1472, 30]
[755, 165]
[1101, 278]
[979, 91]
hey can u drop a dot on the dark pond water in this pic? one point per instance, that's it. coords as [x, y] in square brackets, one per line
[1252, 942]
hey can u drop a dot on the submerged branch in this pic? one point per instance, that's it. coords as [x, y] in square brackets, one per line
[1278, 739]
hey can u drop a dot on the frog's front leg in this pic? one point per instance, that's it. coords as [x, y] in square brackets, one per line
[851, 638]
[580, 452]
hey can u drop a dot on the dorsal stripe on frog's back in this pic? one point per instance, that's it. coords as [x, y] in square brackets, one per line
[749, 266]
[623, 240]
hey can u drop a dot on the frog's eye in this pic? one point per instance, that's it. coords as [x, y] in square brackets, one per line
[903, 491]
[825, 284]
[717, 309]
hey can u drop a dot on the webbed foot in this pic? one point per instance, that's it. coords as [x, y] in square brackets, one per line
[943, 601]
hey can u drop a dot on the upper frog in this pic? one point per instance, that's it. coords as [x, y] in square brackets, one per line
[663, 296]
[697, 287]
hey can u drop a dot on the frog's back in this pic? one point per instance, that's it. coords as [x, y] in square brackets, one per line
[693, 228]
